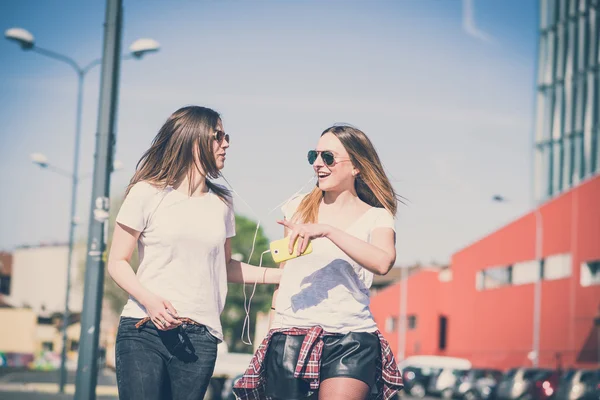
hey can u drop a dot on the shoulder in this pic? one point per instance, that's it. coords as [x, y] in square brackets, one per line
[382, 218]
[143, 189]
[222, 194]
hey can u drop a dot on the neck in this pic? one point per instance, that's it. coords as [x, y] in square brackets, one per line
[193, 186]
[340, 197]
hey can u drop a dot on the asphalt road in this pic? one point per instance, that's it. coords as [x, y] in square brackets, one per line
[39, 385]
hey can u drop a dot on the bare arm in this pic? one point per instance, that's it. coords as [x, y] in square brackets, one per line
[239, 272]
[276, 292]
[123, 243]
[378, 256]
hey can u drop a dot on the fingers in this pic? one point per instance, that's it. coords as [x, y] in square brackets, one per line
[301, 244]
[286, 223]
[171, 322]
[158, 323]
[164, 322]
[293, 237]
[171, 309]
[305, 243]
[166, 318]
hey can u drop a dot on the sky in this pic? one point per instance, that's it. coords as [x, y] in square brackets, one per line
[444, 89]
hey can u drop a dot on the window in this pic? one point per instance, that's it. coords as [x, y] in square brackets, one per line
[480, 280]
[588, 125]
[412, 322]
[557, 267]
[47, 346]
[74, 345]
[526, 272]
[497, 277]
[391, 324]
[445, 275]
[590, 273]
[5, 285]
[443, 332]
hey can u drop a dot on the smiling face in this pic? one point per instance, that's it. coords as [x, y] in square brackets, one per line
[340, 174]
[220, 146]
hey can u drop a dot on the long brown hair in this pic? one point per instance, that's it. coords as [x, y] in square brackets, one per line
[372, 184]
[171, 156]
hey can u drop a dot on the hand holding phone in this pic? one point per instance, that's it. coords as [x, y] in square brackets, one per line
[280, 250]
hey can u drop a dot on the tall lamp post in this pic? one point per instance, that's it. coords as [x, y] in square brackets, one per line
[402, 317]
[537, 288]
[137, 50]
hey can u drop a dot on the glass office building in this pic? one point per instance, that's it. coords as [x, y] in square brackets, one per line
[567, 143]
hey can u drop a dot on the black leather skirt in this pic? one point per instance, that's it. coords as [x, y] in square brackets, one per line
[353, 355]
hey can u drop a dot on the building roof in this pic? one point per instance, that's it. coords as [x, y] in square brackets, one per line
[395, 273]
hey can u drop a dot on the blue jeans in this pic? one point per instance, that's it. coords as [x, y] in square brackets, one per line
[153, 364]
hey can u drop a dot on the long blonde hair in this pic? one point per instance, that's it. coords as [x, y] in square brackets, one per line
[171, 156]
[372, 184]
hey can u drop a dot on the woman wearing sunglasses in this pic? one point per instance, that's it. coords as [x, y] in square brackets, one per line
[182, 223]
[323, 341]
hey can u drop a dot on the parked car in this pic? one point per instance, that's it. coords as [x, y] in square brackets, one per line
[416, 379]
[544, 385]
[444, 382]
[436, 375]
[528, 383]
[579, 384]
[478, 383]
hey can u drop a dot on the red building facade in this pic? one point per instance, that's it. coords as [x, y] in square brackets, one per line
[485, 311]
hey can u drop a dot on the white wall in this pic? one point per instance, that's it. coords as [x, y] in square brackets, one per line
[39, 278]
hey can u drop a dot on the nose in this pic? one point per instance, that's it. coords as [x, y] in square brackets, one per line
[319, 161]
[224, 143]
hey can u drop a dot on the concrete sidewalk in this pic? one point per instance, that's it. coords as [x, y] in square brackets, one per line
[21, 384]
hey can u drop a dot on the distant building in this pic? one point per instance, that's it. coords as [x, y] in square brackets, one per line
[5, 276]
[482, 307]
[397, 273]
[567, 128]
[39, 279]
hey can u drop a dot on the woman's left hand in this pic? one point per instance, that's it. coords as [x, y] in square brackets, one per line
[304, 233]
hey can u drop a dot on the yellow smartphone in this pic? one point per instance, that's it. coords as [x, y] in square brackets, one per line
[280, 250]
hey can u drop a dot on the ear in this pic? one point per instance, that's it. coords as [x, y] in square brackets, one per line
[355, 172]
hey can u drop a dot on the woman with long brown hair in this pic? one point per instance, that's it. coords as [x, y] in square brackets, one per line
[182, 223]
[323, 341]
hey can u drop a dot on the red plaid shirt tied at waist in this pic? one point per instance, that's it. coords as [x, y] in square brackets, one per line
[251, 386]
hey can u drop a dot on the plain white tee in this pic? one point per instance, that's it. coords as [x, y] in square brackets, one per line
[327, 287]
[181, 249]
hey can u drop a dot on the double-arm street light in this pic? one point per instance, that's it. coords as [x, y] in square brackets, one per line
[137, 50]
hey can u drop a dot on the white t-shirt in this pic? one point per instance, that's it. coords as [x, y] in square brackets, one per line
[327, 287]
[181, 249]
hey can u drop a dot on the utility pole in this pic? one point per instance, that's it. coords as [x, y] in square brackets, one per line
[87, 366]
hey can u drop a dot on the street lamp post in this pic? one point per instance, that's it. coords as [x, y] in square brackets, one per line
[537, 286]
[597, 324]
[41, 161]
[402, 317]
[26, 40]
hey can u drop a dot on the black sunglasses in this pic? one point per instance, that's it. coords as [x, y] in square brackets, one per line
[326, 155]
[220, 135]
